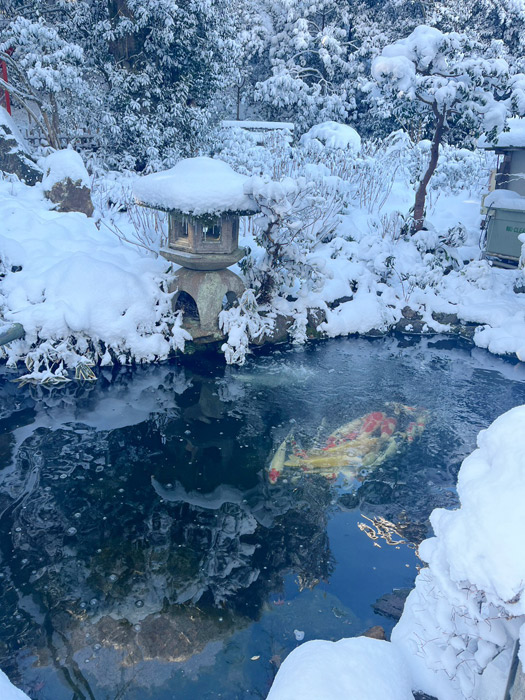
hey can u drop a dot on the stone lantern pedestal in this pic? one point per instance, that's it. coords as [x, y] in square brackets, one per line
[204, 199]
[208, 289]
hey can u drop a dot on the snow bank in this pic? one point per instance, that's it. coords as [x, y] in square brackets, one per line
[504, 199]
[196, 186]
[8, 690]
[333, 135]
[358, 668]
[77, 290]
[469, 605]
[62, 164]
[513, 138]
[7, 120]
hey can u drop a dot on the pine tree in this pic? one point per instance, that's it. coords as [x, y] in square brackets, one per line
[453, 84]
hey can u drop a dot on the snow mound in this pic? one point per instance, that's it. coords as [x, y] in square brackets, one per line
[8, 690]
[359, 668]
[469, 604]
[513, 138]
[7, 120]
[333, 135]
[197, 186]
[62, 164]
[77, 289]
[504, 199]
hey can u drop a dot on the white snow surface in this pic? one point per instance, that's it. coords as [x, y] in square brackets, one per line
[469, 604]
[8, 691]
[79, 281]
[254, 125]
[455, 638]
[62, 164]
[7, 120]
[334, 135]
[197, 186]
[513, 138]
[357, 669]
[505, 199]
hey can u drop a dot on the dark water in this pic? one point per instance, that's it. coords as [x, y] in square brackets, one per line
[143, 551]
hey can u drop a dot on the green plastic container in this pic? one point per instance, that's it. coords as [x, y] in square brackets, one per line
[504, 227]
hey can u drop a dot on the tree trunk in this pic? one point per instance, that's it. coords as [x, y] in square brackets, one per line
[421, 194]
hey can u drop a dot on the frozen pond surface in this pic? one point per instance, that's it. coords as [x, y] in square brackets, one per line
[144, 552]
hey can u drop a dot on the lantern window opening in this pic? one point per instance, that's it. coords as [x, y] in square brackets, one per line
[212, 232]
[183, 228]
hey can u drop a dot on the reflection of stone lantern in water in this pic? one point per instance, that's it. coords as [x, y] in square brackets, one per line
[205, 199]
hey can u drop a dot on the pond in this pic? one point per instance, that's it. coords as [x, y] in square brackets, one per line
[145, 550]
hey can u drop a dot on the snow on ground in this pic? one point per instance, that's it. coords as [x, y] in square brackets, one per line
[84, 294]
[360, 668]
[455, 637]
[79, 292]
[468, 605]
[8, 690]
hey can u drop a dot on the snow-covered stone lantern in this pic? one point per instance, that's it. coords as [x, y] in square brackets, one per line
[204, 199]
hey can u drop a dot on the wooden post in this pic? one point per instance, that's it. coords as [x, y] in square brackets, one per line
[6, 93]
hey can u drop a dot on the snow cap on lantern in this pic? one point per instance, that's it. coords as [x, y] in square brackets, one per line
[204, 198]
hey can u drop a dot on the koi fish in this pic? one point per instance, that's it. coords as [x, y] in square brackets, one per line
[364, 442]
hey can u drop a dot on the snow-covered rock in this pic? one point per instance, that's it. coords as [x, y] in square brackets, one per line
[357, 669]
[62, 164]
[197, 186]
[14, 152]
[66, 182]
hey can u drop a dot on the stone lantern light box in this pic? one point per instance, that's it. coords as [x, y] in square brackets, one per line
[204, 198]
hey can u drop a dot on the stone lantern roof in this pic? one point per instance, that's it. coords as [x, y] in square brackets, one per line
[199, 187]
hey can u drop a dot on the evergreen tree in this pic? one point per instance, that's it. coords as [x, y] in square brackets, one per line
[453, 84]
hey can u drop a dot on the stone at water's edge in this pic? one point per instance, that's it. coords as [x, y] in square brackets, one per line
[392, 604]
[15, 160]
[71, 196]
[11, 332]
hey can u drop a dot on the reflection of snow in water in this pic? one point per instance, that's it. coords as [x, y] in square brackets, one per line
[166, 471]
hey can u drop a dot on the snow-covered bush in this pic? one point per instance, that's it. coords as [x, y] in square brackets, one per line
[46, 77]
[296, 217]
[82, 296]
[242, 323]
[268, 154]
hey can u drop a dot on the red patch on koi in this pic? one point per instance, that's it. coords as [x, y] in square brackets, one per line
[372, 422]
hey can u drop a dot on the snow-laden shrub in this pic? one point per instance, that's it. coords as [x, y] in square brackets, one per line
[296, 217]
[242, 323]
[82, 296]
[254, 153]
[460, 169]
